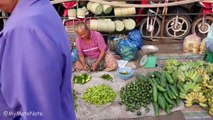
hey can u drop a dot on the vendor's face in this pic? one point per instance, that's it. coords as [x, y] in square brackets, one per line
[83, 34]
[8, 5]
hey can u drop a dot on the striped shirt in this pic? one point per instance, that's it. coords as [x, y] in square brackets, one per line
[91, 50]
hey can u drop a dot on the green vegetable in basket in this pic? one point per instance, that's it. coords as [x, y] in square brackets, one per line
[107, 77]
[124, 73]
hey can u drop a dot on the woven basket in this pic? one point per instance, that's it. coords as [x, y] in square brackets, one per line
[129, 24]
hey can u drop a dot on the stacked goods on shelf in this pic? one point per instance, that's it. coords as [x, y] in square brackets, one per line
[124, 11]
[95, 8]
[102, 25]
[129, 24]
[72, 13]
[81, 12]
[107, 9]
[195, 81]
[106, 25]
[119, 25]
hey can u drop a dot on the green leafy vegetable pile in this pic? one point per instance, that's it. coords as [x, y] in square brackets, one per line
[82, 78]
[107, 77]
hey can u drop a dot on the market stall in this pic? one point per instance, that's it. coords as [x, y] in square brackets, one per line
[169, 83]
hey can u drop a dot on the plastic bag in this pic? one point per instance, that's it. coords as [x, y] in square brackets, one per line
[203, 46]
[74, 55]
[136, 37]
[112, 43]
[111, 63]
[209, 44]
[192, 43]
[114, 39]
[127, 50]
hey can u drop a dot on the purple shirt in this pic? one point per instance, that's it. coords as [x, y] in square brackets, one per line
[91, 50]
[35, 65]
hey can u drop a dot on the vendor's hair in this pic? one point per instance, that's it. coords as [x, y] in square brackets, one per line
[80, 26]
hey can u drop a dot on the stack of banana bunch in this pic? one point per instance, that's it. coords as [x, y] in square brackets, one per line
[209, 97]
[195, 80]
[210, 102]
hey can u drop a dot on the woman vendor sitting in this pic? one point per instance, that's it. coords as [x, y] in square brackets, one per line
[92, 50]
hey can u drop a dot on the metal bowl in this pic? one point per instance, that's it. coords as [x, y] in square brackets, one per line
[148, 49]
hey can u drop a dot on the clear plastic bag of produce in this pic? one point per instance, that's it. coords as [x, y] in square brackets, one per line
[203, 46]
[127, 49]
[74, 55]
[114, 39]
[136, 37]
[192, 43]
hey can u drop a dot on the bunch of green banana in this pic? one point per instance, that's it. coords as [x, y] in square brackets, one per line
[191, 75]
[188, 87]
[207, 82]
[210, 102]
[171, 65]
[195, 97]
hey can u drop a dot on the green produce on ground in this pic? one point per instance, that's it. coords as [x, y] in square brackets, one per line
[194, 80]
[99, 95]
[137, 94]
[82, 78]
[74, 95]
[165, 92]
[107, 77]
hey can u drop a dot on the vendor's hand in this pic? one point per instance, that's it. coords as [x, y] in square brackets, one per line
[94, 66]
[86, 68]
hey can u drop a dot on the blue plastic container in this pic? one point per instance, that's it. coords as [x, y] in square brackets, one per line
[121, 71]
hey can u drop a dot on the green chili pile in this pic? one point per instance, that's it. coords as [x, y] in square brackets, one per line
[99, 95]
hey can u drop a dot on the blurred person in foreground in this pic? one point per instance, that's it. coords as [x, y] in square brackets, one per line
[93, 52]
[35, 74]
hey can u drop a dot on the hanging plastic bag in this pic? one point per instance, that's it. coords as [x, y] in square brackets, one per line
[127, 50]
[136, 37]
[74, 55]
[192, 43]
